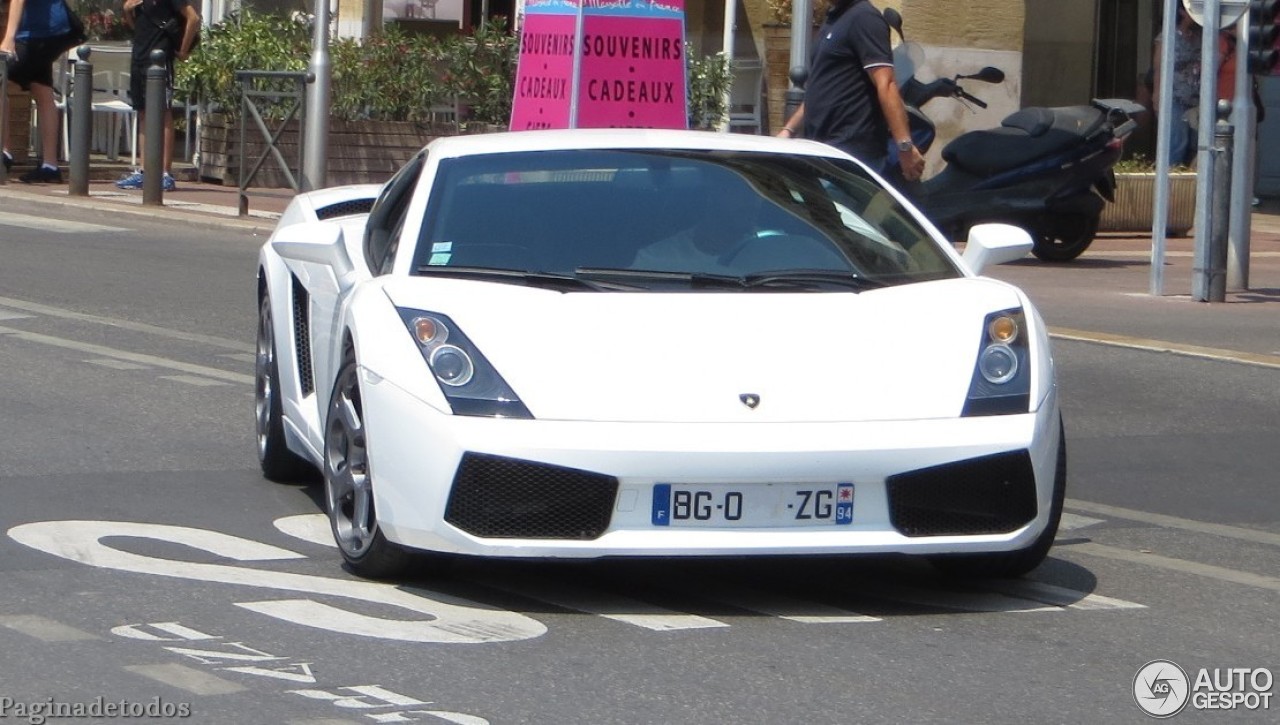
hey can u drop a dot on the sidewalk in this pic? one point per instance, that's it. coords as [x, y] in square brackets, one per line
[202, 203]
[1103, 296]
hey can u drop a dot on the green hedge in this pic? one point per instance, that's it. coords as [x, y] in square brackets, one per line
[395, 76]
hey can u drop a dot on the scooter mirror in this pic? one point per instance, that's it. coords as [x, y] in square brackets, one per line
[894, 19]
[990, 74]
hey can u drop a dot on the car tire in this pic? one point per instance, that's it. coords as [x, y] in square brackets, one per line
[348, 483]
[278, 462]
[1013, 564]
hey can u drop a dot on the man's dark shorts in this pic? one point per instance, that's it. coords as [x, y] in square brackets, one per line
[138, 83]
[36, 57]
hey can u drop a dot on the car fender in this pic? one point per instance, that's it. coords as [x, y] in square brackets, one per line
[383, 347]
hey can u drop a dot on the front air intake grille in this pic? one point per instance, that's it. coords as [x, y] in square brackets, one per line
[506, 498]
[989, 495]
[344, 208]
[302, 337]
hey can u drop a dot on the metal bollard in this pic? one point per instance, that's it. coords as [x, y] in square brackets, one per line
[794, 95]
[1209, 280]
[81, 123]
[153, 150]
[4, 109]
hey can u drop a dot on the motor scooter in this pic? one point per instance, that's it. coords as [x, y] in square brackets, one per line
[1047, 170]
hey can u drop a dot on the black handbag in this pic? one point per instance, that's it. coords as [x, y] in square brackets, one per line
[77, 36]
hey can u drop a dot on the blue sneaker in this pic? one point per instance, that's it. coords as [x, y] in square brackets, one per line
[167, 183]
[132, 181]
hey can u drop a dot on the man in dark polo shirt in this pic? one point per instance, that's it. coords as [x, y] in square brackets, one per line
[851, 98]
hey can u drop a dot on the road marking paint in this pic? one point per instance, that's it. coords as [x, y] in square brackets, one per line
[44, 629]
[605, 604]
[244, 357]
[1174, 522]
[7, 315]
[193, 380]
[46, 310]
[45, 224]
[114, 364]
[782, 606]
[451, 620]
[1071, 522]
[1061, 596]
[312, 528]
[1183, 566]
[140, 358]
[186, 678]
[957, 599]
[321, 721]
[1176, 348]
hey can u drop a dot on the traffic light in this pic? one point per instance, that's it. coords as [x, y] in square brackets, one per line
[1263, 31]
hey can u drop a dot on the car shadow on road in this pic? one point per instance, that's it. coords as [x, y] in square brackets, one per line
[816, 589]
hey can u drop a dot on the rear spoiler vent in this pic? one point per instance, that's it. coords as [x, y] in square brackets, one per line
[351, 207]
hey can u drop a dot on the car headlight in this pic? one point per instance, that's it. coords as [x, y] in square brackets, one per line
[466, 378]
[1001, 383]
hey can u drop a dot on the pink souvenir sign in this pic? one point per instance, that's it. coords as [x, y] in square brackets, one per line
[631, 65]
[544, 73]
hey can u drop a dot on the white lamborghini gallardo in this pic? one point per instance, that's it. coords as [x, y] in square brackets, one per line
[654, 343]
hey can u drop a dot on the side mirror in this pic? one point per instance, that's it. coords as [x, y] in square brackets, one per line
[990, 74]
[894, 19]
[991, 244]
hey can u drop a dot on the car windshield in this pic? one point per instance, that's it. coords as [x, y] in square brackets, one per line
[662, 219]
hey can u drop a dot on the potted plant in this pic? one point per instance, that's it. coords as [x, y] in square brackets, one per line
[1135, 198]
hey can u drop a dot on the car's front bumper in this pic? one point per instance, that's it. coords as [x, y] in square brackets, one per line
[415, 452]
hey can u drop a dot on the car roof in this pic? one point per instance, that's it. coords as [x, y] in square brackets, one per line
[632, 138]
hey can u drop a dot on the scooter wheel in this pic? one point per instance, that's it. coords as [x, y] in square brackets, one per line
[1064, 238]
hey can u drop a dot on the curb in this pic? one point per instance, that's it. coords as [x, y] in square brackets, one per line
[187, 212]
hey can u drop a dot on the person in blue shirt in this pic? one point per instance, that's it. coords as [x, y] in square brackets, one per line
[36, 34]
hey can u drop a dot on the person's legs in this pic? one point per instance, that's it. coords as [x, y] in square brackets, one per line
[46, 123]
[1179, 136]
[168, 140]
[47, 126]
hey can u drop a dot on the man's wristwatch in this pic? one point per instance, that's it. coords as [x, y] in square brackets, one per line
[905, 146]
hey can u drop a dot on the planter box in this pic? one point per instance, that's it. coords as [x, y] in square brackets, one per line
[1136, 199]
[359, 152]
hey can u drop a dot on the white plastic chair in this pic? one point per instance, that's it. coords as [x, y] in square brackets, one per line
[746, 96]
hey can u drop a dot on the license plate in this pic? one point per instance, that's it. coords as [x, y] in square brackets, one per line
[768, 505]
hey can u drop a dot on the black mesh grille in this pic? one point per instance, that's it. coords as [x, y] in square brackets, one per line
[302, 336]
[344, 208]
[505, 498]
[989, 495]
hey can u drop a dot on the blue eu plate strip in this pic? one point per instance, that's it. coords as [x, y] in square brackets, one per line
[662, 504]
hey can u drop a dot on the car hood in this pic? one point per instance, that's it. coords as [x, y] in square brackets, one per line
[898, 353]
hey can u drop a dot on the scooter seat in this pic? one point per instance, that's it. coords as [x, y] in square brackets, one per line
[1023, 137]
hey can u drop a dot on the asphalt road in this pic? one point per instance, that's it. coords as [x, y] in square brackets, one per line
[144, 561]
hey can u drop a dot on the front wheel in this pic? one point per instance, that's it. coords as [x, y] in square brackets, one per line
[1063, 238]
[348, 484]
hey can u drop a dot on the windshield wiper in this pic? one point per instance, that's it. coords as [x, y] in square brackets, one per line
[691, 279]
[811, 278]
[517, 276]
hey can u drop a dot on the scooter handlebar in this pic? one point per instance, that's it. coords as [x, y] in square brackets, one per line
[971, 98]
